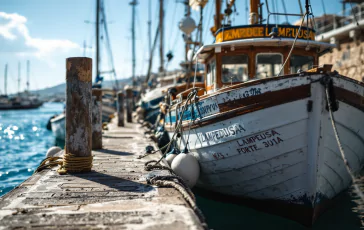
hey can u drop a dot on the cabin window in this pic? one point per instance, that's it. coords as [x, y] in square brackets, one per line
[211, 73]
[268, 65]
[300, 62]
[234, 68]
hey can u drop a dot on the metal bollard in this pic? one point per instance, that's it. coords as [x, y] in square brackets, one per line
[78, 107]
[120, 107]
[129, 103]
[96, 119]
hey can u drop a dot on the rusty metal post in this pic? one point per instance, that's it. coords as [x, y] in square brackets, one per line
[78, 107]
[129, 103]
[96, 119]
[121, 122]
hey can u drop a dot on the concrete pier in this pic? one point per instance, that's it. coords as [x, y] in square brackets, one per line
[114, 195]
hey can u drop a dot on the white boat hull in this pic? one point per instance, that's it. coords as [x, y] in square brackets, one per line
[58, 125]
[287, 152]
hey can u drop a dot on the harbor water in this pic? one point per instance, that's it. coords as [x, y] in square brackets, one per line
[24, 141]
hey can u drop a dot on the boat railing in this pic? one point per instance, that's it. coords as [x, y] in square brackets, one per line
[350, 15]
[183, 95]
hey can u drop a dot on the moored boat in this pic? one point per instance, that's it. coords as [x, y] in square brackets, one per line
[263, 129]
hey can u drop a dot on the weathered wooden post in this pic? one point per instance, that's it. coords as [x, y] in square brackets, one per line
[129, 103]
[120, 105]
[96, 119]
[78, 146]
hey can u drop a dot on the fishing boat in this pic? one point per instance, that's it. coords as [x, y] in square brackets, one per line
[176, 81]
[261, 127]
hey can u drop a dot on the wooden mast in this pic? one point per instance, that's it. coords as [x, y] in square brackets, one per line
[254, 13]
[217, 18]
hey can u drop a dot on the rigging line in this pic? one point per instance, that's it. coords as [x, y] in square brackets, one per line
[206, 19]
[176, 40]
[275, 10]
[323, 6]
[209, 24]
[108, 45]
[356, 20]
[294, 42]
[173, 26]
[285, 10]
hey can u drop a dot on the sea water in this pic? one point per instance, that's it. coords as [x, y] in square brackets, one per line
[24, 141]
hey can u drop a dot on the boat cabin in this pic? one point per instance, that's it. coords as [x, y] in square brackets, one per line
[246, 53]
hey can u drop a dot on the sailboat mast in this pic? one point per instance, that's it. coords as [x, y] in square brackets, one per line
[254, 14]
[133, 4]
[6, 80]
[97, 38]
[161, 33]
[28, 73]
[150, 27]
[18, 77]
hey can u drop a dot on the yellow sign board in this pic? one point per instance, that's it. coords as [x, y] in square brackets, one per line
[262, 31]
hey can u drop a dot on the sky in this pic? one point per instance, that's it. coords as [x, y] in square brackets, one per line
[46, 32]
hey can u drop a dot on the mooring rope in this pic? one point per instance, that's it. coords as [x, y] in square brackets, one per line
[72, 163]
[67, 163]
[49, 162]
[293, 45]
[346, 163]
[177, 183]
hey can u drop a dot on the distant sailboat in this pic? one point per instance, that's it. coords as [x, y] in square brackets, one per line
[24, 100]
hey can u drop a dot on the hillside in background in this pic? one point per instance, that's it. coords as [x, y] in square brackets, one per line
[59, 91]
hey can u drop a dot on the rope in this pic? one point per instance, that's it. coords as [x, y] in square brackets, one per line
[72, 163]
[177, 183]
[189, 97]
[69, 163]
[294, 43]
[348, 169]
[49, 162]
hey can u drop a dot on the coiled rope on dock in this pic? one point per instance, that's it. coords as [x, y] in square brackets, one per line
[72, 163]
[68, 163]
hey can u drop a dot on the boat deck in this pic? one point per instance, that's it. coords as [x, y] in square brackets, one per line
[114, 195]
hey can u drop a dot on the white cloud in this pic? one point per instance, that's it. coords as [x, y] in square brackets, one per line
[13, 29]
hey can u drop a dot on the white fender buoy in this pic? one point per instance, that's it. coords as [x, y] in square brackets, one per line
[52, 151]
[170, 158]
[186, 166]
